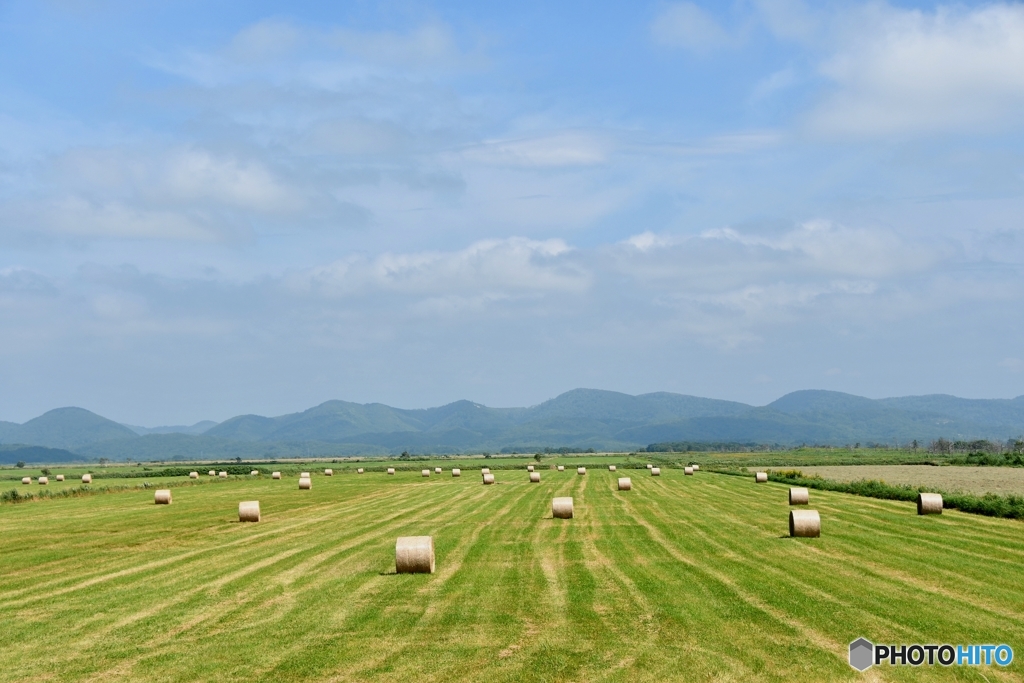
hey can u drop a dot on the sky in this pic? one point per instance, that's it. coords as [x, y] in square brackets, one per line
[217, 208]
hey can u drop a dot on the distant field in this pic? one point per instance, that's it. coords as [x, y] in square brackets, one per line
[977, 480]
[682, 578]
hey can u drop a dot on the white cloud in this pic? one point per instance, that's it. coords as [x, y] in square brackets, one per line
[570, 148]
[779, 80]
[686, 25]
[513, 266]
[908, 71]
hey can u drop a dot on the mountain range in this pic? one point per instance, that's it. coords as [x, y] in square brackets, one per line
[581, 418]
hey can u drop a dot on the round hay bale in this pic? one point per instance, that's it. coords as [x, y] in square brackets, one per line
[437, 470]
[328, 473]
[611, 468]
[799, 496]
[425, 473]
[223, 475]
[649, 465]
[929, 504]
[655, 471]
[305, 484]
[456, 472]
[529, 468]
[391, 470]
[761, 477]
[275, 475]
[696, 468]
[414, 555]
[86, 478]
[193, 475]
[304, 475]
[488, 479]
[561, 508]
[535, 477]
[254, 473]
[581, 470]
[162, 497]
[804, 524]
[212, 473]
[688, 470]
[561, 468]
[60, 477]
[359, 471]
[625, 484]
[249, 511]
[485, 470]
[43, 481]
[26, 480]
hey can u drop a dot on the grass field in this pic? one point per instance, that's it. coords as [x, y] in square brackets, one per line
[977, 480]
[682, 578]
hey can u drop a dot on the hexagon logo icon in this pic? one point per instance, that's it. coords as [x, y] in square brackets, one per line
[862, 654]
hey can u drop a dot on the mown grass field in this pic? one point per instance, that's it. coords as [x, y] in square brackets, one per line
[977, 480]
[682, 578]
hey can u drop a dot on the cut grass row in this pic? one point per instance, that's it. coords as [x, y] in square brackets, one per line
[682, 578]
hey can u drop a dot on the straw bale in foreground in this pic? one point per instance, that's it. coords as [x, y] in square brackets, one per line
[249, 511]
[414, 555]
[929, 503]
[804, 523]
[561, 508]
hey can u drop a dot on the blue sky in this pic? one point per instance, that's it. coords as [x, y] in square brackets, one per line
[210, 208]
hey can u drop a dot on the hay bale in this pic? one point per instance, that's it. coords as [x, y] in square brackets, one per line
[249, 511]
[696, 468]
[425, 473]
[611, 468]
[162, 497]
[625, 484]
[561, 508]
[305, 484]
[581, 470]
[485, 470]
[391, 470]
[929, 504]
[561, 468]
[529, 468]
[649, 465]
[437, 470]
[414, 555]
[688, 470]
[304, 475]
[456, 472]
[223, 475]
[254, 473]
[799, 496]
[328, 473]
[488, 479]
[212, 473]
[275, 475]
[26, 480]
[534, 477]
[60, 477]
[804, 523]
[86, 478]
[43, 481]
[191, 475]
[761, 477]
[655, 471]
[359, 471]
